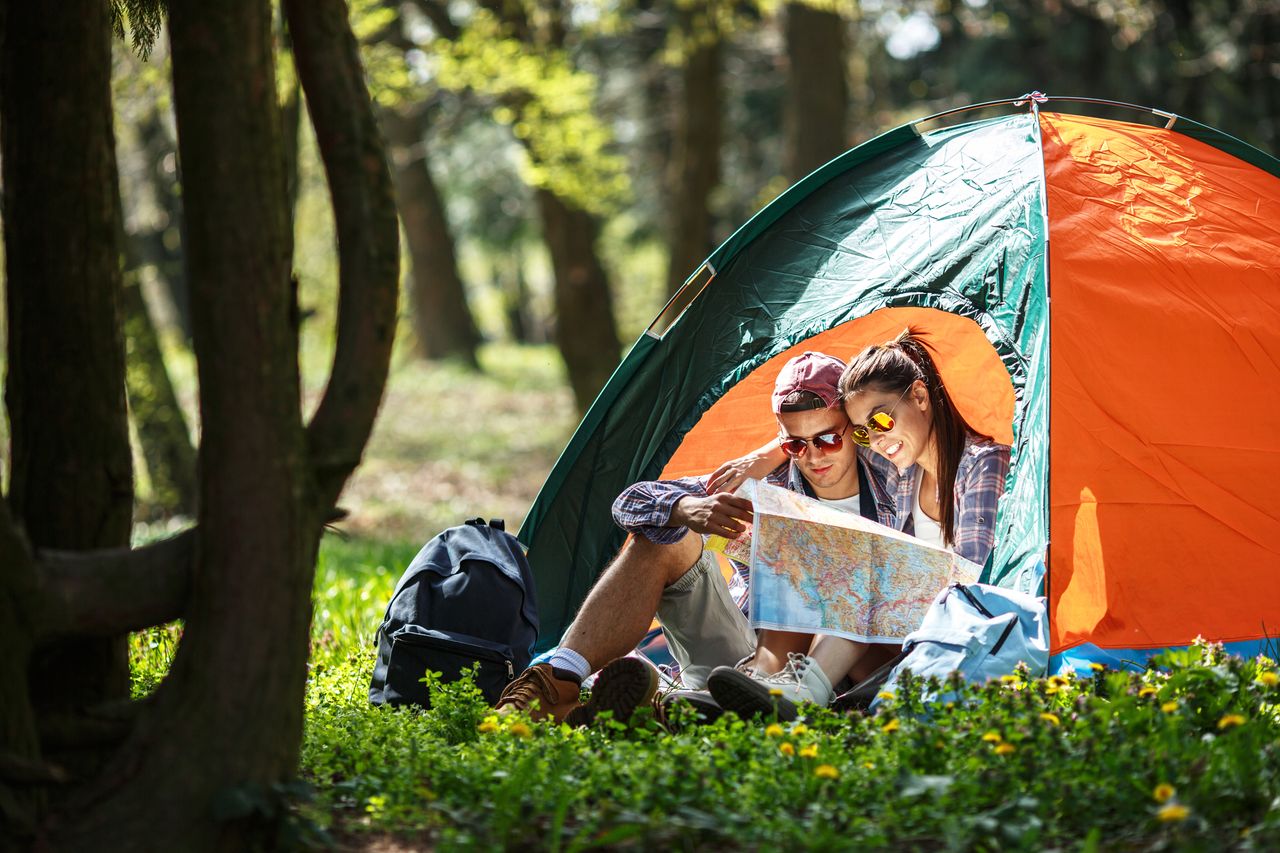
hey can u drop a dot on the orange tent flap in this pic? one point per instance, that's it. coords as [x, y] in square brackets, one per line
[1164, 272]
[742, 420]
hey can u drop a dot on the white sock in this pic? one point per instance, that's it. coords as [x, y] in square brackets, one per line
[568, 660]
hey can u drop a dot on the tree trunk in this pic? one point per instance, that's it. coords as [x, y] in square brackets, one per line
[817, 90]
[162, 248]
[696, 160]
[585, 330]
[442, 320]
[71, 485]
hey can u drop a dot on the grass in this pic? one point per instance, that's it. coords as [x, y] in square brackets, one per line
[1184, 756]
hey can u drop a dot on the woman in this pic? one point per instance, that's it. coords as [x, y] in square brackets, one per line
[946, 478]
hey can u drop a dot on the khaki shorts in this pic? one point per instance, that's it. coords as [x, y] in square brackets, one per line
[704, 628]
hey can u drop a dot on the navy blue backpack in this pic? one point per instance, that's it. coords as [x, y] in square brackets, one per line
[467, 598]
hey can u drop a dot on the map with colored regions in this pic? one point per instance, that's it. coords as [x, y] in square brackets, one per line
[819, 569]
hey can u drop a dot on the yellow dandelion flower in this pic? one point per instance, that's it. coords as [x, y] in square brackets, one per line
[1009, 679]
[1171, 812]
[520, 730]
[1005, 748]
[1229, 720]
[869, 765]
[1096, 667]
[1163, 792]
[810, 751]
[799, 729]
[885, 696]
[773, 730]
[1058, 681]
[1050, 690]
[489, 725]
[1052, 719]
[1268, 679]
[826, 771]
[992, 737]
[775, 691]
[786, 749]
[1146, 691]
[1169, 707]
[891, 726]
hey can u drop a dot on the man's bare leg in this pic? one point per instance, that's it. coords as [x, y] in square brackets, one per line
[621, 606]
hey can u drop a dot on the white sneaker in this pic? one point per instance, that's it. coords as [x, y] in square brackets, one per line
[801, 680]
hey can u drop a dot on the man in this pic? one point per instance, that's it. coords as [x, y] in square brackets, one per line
[665, 571]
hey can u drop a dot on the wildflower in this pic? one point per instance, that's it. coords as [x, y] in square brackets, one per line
[773, 730]
[826, 771]
[1058, 681]
[810, 751]
[1268, 679]
[1169, 707]
[1163, 792]
[1171, 812]
[520, 730]
[1009, 679]
[1146, 691]
[490, 724]
[891, 726]
[786, 749]
[1096, 667]
[799, 729]
[992, 737]
[1229, 720]
[1005, 748]
[1051, 690]
[1052, 719]
[775, 691]
[869, 765]
[884, 696]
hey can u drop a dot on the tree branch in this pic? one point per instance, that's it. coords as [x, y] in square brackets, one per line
[107, 593]
[364, 209]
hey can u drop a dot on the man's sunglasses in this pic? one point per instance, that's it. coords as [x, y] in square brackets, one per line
[879, 422]
[828, 442]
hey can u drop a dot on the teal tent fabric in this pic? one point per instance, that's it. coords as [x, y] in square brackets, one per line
[952, 219]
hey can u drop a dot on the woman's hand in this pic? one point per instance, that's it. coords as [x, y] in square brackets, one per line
[754, 465]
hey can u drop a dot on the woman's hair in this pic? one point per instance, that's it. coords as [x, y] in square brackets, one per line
[891, 368]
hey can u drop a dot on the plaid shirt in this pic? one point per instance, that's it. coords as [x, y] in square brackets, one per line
[979, 484]
[645, 508]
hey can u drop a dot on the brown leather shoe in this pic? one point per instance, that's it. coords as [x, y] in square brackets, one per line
[625, 684]
[555, 697]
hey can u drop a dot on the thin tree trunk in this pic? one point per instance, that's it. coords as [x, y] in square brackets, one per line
[442, 319]
[72, 480]
[696, 161]
[817, 90]
[585, 330]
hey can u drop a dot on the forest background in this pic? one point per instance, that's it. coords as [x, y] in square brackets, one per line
[559, 169]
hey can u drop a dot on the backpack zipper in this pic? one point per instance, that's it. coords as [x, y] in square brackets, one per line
[964, 590]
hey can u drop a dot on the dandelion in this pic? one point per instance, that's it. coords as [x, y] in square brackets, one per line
[992, 737]
[1146, 691]
[1058, 681]
[1268, 679]
[775, 691]
[1229, 720]
[1172, 812]
[1096, 667]
[786, 749]
[489, 725]
[891, 726]
[1163, 792]
[1169, 707]
[773, 730]
[826, 771]
[1009, 679]
[885, 696]
[1005, 749]
[520, 730]
[799, 729]
[1052, 719]
[869, 765]
[810, 751]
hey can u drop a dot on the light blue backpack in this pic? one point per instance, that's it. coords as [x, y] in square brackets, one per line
[978, 630]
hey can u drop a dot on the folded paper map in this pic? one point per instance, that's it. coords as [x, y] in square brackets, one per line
[819, 569]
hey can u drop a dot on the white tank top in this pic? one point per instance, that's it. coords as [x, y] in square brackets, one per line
[926, 528]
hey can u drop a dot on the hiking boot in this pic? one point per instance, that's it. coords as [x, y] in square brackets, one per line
[624, 685]
[555, 697]
[801, 680]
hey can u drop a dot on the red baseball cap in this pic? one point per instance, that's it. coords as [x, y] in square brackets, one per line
[814, 372]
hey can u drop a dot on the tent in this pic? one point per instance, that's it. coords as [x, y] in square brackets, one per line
[1106, 296]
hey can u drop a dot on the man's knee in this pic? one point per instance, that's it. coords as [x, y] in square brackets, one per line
[672, 560]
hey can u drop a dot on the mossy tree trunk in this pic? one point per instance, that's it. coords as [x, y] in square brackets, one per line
[71, 483]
